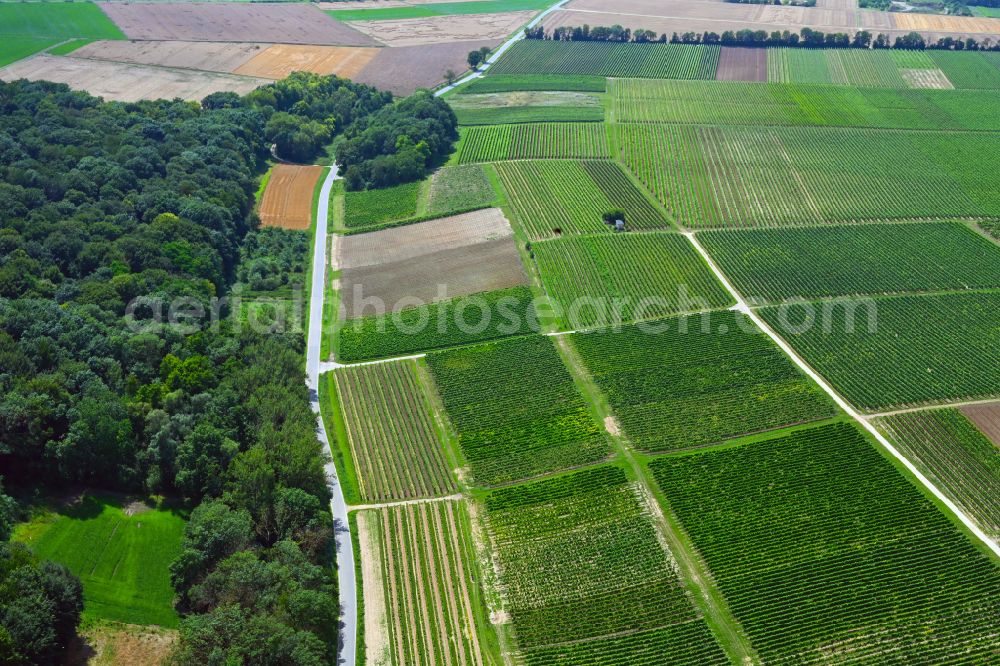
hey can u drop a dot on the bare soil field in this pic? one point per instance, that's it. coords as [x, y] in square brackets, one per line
[948, 24]
[379, 4]
[287, 201]
[739, 64]
[377, 648]
[525, 98]
[837, 4]
[435, 276]
[926, 78]
[206, 56]
[290, 23]
[123, 82]
[280, 60]
[401, 70]
[986, 418]
[444, 29]
[414, 240]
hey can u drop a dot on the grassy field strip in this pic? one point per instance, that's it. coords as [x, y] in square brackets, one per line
[691, 568]
[970, 524]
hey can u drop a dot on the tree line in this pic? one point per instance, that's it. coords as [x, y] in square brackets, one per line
[806, 38]
[108, 213]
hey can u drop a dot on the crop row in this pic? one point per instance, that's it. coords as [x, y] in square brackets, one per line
[969, 70]
[565, 197]
[822, 549]
[743, 103]
[516, 410]
[390, 433]
[530, 114]
[662, 61]
[849, 67]
[898, 351]
[691, 381]
[613, 278]
[958, 458]
[533, 141]
[740, 176]
[420, 610]
[686, 644]
[369, 207]
[457, 321]
[580, 559]
[772, 265]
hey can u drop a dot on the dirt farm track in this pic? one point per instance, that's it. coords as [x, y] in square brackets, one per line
[287, 201]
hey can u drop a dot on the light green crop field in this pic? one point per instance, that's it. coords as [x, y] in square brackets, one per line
[438, 9]
[14, 48]
[121, 559]
[62, 20]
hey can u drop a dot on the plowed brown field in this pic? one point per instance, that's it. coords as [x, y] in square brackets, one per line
[280, 60]
[288, 199]
[739, 64]
[986, 418]
[444, 29]
[401, 70]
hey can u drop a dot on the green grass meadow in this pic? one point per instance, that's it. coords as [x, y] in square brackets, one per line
[62, 20]
[122, 560]
[438, 9]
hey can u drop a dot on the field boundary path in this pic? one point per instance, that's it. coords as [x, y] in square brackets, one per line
[843, 404]
[518, 36]
[347, 584]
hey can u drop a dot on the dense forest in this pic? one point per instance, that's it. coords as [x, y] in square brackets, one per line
[109, 215]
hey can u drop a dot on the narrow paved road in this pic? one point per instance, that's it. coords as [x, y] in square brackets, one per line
[345, 551]
[843, 404]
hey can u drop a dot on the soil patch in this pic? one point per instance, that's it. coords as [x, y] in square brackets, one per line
[612, 426]
[123, 82]
[742, 64]
[401, 70]
[285, 23]
[986, 418]
[376, 621]
[524, 98]
[206, 56]
[444, 29]
[287, 201]
[121, 645]
[926, 78]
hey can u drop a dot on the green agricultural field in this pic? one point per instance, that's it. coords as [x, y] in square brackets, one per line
[848, 67]
[458, 321]
[457, 188]
[14, 48]
[530, 114]
[987, 12]
[902, 350]
[712, 176]
[955, 456]
[533, 141]
[771, 265]
[661, 61]
[123, 560]
[584, 570]
[552, 198]
[437, 9]
[56, 20]
[371, 207]
[686, 382]
[390, 432]
[969, 70]
[516, 410]
[649, 275]
[422, 587]
[515, 83]
[823, 550]
[751, 103]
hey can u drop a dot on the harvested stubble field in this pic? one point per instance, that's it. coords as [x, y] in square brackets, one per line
[986, 418]
[773, 265]
[687, 382]
[955, 456]
[122, 82]
[444, 29]
[280, 60]
[516, 410]
[282, 23]
[742, 64]
[391, 435]
[421, 587]
[403, 69]
[925, 23]
[207, 56]
[652, 275]
[825, 552]
[552, 198]
[288, 199]
[923, 349]
[587, 577]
